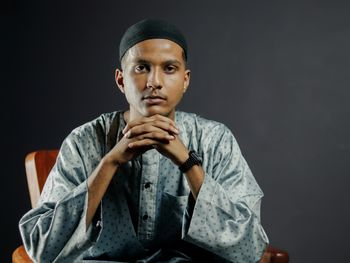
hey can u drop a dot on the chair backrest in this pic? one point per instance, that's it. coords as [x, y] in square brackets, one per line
[38, 166]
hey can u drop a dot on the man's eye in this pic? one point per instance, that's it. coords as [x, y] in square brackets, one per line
[170, 69]
[140, 68]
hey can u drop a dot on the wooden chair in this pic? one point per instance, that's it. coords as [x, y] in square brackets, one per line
[38, 165]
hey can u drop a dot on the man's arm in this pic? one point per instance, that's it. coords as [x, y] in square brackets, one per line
[98, 183]
[225, 218]
[195, 178]
[57, 227]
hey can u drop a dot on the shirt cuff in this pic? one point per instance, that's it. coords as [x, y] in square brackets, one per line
[194, 211]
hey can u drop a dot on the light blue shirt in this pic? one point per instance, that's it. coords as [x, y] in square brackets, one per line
[148, 213]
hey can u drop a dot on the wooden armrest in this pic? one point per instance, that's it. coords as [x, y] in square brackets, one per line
[275, 255]
[20, 256]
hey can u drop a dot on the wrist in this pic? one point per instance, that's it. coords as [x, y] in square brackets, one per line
[193, 159]
[182, 157]
[109, 159]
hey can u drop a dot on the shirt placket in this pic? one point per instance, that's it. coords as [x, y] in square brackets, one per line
[147, 204]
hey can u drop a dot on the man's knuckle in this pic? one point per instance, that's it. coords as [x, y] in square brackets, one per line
[156, 134]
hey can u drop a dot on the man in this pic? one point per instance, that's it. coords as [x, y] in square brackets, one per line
[149, 184]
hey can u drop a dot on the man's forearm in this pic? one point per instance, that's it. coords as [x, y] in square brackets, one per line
[195, 178]
[178, 153]
[98, 183]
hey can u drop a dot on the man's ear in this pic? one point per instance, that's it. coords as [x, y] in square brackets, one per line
[187, 79]
[119, 79]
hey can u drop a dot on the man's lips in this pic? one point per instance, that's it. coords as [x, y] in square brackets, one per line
[152, 100]
[153, 97]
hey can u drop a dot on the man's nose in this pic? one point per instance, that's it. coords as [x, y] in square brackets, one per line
[155, 79]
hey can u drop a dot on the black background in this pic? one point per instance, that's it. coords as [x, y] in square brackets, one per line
[275, 72]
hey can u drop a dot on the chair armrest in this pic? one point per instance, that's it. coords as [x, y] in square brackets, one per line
[20, 256]
[277, 255]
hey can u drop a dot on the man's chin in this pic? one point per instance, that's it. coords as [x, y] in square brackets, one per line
[151, 112]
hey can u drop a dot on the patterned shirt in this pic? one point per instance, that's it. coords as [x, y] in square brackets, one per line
[148, 213]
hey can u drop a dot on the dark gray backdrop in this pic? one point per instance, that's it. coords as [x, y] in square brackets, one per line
[277, 73]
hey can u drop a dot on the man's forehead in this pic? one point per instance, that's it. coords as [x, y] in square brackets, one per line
[155, 49]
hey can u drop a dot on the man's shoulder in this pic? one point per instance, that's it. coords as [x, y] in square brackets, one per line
[198, 122]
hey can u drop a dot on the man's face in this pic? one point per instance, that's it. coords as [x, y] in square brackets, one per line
[154, 77]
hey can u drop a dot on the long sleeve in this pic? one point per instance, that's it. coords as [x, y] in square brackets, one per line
[55, 231]
[225, 219]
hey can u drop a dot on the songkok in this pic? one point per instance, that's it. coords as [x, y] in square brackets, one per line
[151, 29]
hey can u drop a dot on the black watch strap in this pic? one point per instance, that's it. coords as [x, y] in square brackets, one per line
[193, 159]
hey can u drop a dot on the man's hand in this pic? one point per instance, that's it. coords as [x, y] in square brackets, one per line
[140, 135]
[157, 132]
[143, 132]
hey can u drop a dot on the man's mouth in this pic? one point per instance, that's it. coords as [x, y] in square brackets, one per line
[153, 100]
[153, 97]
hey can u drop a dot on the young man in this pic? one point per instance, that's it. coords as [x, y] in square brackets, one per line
[149, 184]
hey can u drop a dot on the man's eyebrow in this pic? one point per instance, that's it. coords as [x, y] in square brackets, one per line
[141, 61]
[172, 61]
[145, 61]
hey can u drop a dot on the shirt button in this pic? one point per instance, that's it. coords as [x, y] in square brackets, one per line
[145, 217]
[147, 185]
[99, 223]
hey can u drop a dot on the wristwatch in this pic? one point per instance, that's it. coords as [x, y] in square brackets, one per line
[193, 159]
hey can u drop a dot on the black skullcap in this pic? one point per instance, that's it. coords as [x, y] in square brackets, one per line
[150, 29]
